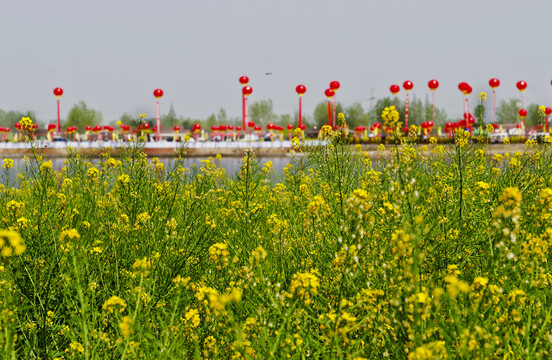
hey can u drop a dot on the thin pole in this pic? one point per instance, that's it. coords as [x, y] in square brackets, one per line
[59, 118]
[522, 101]
[406, 111]
[243, 113]
[329, 112]
[494, 105]
[467, 111]
[300, 111]
[433, 104]
[158, 120]
[395, 101]
[334, 111]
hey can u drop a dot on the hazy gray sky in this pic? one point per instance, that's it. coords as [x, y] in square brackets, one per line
[113, 54]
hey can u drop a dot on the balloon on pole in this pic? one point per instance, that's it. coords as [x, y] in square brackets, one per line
[158, 94]
[433, 85]
[58, 92]
[244, 80]
[329, 94]
[494, 83]
[395, 90]
[246, 91]
[301, 90]
[407, 85]
[334, 86]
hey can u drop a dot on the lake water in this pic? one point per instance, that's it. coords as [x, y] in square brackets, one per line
[230, 164]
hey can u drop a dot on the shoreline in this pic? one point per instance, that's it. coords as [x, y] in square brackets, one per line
[207, 151]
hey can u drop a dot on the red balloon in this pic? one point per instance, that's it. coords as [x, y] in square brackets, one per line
[214, 128]
[244, 80]
[448, 125]
[51, 126]
[494, 83]
[35, 126]
[430, 124]
[522, 113]
[301, 89]
[360, 128]
[258, 128]
[17, 125]
[251, 124]
[463, 86]
[7, 129]
[238, 128]
[521, 85]
[230, 127]
[334, 85]
[196, 127]
[378, 125]
[88, 127]
[58, 91]
[270, 126]
[147, 126]
[302, 126]
[394, 89]
[408, 85]
[548, 111]
[495, 126]
[247, 90]
[518, 126]
[433, 84]
[290, 127]
[158, 93]
[1, 129]
[222, 127]
[176, 128]
[329, 93]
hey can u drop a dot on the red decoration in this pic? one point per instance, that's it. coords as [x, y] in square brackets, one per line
[522, 113]
[7, 129]
[88, 127]
[329, 93]
[214, 128]
[334, 85]
[270, 126]
[251, 124]
[230, 127]
[176, 128]
[222, 127]
[433, 85]
[394, 89]
[258, 128]
[302, 127]
[301, 89]
[244, 80]
[290, 127]
[494, 83]
[521, 85]
[238, 128]
[58, 92]
[158, 93]
[548, 111]
[17, 126]
[247, 90]
[408, 85]
[360, 128]
[51, 127]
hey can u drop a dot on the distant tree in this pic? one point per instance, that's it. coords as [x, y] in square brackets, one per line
[261, 112]
[507, 111]
[81, 115]
[222, 118]
[211, 120]
[321, 113]
[170, 120]
[533, 117]
[355, 115]
[285, 119]
[11, 117]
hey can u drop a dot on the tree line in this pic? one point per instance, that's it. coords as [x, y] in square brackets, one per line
[262, 113]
